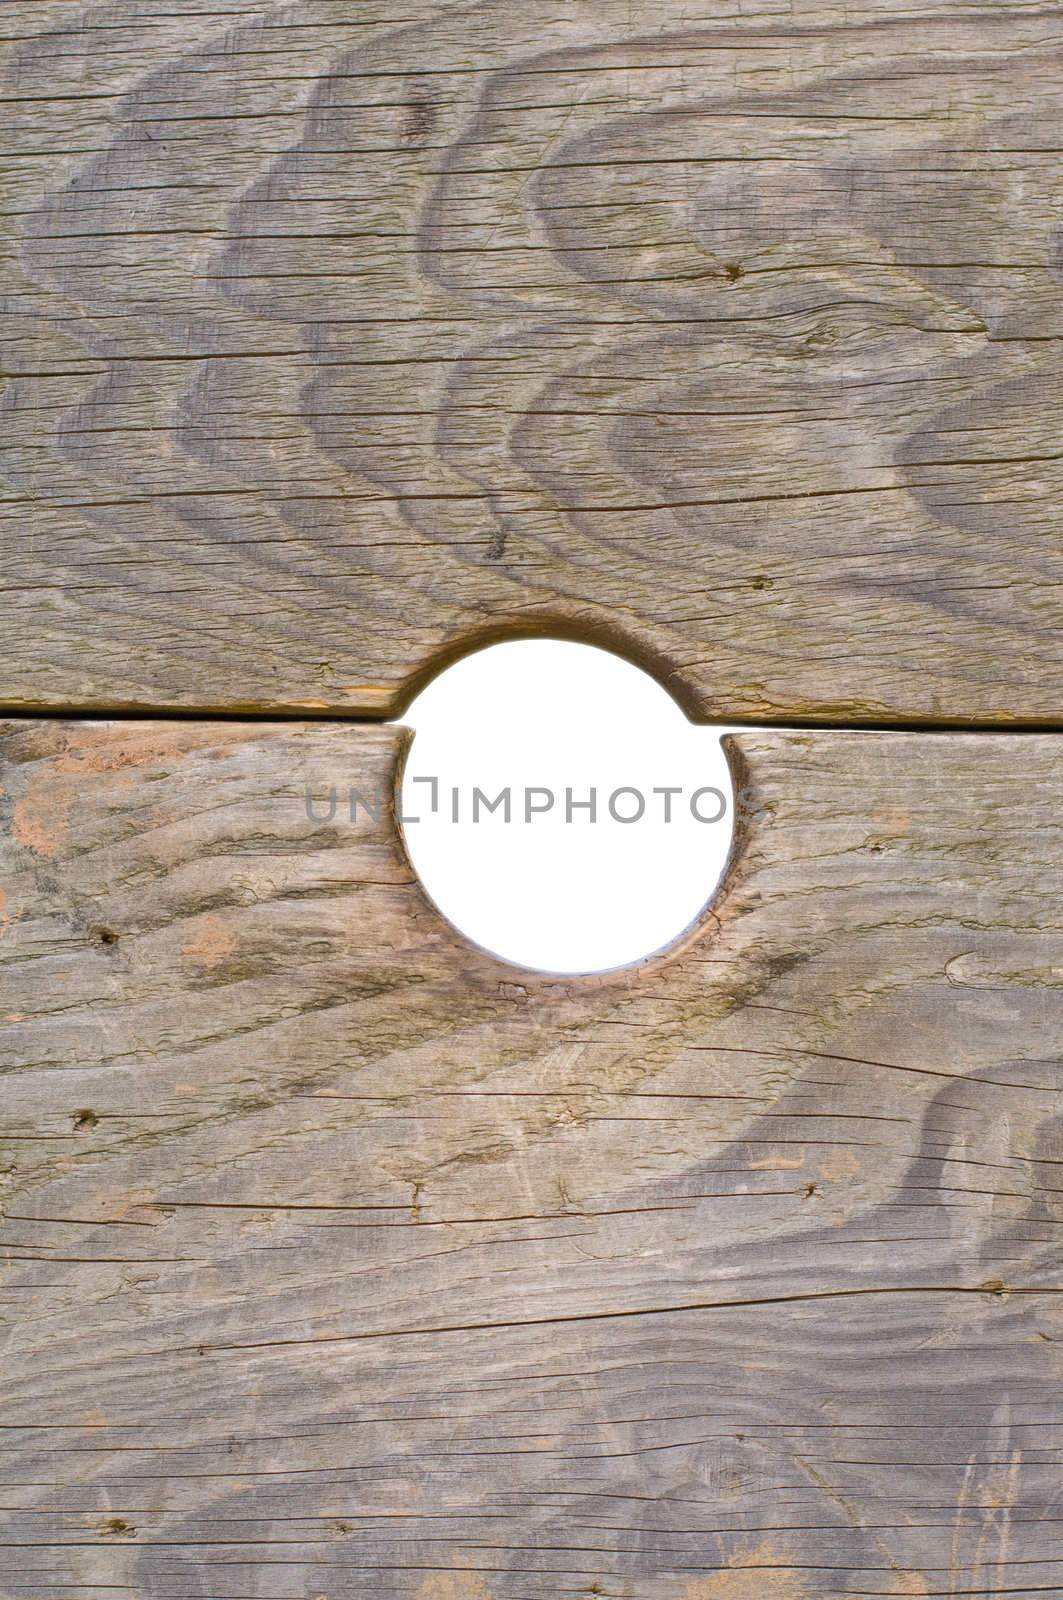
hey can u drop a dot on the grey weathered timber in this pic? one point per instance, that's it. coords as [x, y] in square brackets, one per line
[346, 1263]
[339, 333]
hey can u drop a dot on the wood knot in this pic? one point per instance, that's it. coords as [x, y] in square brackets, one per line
[116, 1528]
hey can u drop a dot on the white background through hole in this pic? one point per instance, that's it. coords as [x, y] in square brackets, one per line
[559, 895]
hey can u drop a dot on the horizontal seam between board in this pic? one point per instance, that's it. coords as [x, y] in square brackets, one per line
[295, 713]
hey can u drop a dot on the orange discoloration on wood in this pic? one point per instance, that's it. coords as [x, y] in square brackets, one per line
[136, 1205]
[41, 818]
[757, 1573]
[118, 747]
[211, 943]
[454, 1586]
[892, 820]
[839, 1166]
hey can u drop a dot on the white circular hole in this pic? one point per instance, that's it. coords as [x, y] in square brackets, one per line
[537, 729]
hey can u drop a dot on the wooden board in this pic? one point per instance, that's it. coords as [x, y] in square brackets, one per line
[339, 336]
[344, 1261]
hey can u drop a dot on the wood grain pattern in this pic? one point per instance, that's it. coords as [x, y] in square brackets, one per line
[339, 335]
[343, 1261]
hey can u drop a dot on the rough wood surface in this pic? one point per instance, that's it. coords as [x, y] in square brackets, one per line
[344, 1263]
[337, 334]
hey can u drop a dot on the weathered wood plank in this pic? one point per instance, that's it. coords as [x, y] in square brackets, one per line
[344, 1261]
[336, 336]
